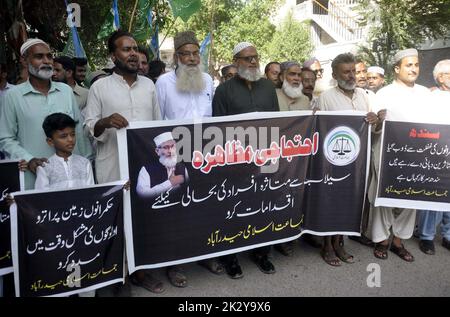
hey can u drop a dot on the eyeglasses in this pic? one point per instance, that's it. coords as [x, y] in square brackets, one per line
[195, 54]
[249, 59]
[319, 71]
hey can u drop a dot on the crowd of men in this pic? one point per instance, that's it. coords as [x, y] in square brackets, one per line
[133, 89]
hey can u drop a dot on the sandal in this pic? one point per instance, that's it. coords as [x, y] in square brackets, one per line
[149, 283]
[213, 265]
[344, 256]
[176, 276]
[330, 258]
[402, 252]
[380, 251]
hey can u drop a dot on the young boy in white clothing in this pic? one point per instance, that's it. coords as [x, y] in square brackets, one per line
[63, 170]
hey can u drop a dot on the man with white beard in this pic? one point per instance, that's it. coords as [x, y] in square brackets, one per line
[25, 107]
[246, 92]
[186, 92]
[165, 174]
[290, 95]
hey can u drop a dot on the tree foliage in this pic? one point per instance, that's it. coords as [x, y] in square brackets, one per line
[291, 41]
[399, 24]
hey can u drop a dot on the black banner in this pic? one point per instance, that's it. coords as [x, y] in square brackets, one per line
[68, 242]
[286, 175]
[9, 183]
[415, 166]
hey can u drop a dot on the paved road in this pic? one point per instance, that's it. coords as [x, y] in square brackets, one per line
[306, 274]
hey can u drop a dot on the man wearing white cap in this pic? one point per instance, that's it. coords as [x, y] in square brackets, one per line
[163, 175]
[246, 92]
[403, 100]
[375, 78]
[186, 92]
[27, 105]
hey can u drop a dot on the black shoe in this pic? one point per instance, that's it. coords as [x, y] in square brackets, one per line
[427, 246]
[233, 269]
[264, 264]
[446, 243]
[363, 240]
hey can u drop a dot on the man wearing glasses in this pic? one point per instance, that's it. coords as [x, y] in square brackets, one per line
[186, 92]
[246, 92]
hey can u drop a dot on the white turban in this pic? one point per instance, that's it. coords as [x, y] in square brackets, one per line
[376, 69]
[163, 137]
[29, 43]
[241, 46]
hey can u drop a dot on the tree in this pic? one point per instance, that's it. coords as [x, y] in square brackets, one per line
[399, 24]
[291, 41]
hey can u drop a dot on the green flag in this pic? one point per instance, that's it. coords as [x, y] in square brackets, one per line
[73, 48]
[185, 8]
[142, 31]
[112, 22]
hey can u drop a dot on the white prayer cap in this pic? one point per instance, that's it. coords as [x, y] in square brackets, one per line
[163, 137]
[29, 43]
[405, 53]
[376, 69]
[241, 46]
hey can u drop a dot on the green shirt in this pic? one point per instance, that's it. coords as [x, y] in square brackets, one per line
[23, 112]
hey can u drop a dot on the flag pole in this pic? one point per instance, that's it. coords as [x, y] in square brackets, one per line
[132, 15]
[167, 33]
[210, 57]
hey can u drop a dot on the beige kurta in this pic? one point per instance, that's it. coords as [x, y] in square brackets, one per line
[287, 104]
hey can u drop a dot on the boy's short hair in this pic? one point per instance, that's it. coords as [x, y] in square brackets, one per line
[57, 121]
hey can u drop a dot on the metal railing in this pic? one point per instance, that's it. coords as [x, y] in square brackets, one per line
[337, 22]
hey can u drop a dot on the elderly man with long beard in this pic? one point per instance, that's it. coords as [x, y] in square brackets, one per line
[186, 93]
[246, 92]
[290, 95]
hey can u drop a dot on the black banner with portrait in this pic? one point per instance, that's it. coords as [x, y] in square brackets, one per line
[236, 183]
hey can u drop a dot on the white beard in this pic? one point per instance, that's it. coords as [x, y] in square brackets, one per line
[250, 75]
[190, 78]
[291, 91]
[169, 162]
[40, 72]
[346, 85]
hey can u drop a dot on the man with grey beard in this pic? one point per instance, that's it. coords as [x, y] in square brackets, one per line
[290, 95]
[186, 92]
[345, 96]
[246, 92]
[25, 107]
